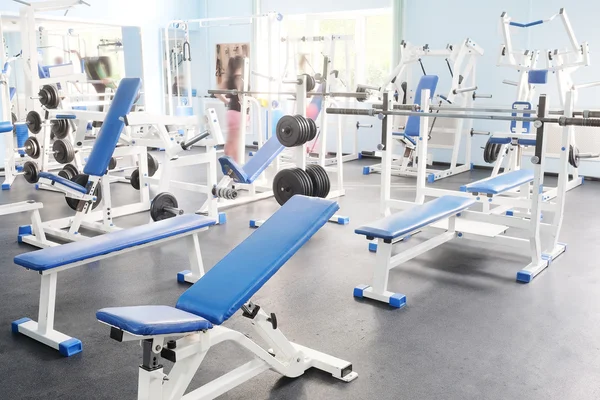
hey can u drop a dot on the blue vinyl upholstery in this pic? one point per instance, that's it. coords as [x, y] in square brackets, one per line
[405, 136]
[113, 125]
[538, 76]
[414, 123]
[6, 126]
[255, 165]
[235, 279]
[500, 183]
[152, 320]
[399, 224]
[63, 181]
[54, 257]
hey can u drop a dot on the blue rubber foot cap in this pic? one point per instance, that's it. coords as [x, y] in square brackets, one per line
[70, 347]
[343, 220]
[25, 230]
[358, 291]
[430, 178]
[37, 186]
[15, 324]
[373, 247]
[472, 166]
[181, 275]
[253, 224]
[366, 170]
[524, 276]
[5, 186]
[397, 300]
[251, 154]
[222, 218]
[360, 156]
[510, 213]
[463, 188]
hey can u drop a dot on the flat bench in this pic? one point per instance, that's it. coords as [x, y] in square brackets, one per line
[50, 261]
[400, 225]
[255, 166]
[500, 183]
[196, 319]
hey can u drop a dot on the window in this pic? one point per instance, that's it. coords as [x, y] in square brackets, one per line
[361, 52]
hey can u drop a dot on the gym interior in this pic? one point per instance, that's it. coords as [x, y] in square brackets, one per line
[319, 200]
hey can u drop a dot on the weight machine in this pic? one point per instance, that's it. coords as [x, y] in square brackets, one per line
[506, 152]
[462, 62]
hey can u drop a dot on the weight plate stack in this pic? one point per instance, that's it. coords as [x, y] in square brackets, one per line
[112, 164]
[63, 151]
[313, 129]
[487, 152]
[289, 182]
[157, 209]
[320, 180]
[49, 98]
[288, 130]
[68, 171]
[310, 82]
[82, 179]
[31, 172]
[34, 122]
[135, 179]
[60, 128]
[32, 148]
[152, 164]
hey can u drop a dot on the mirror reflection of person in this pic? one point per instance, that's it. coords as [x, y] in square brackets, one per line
[233, 81]
[99, 71]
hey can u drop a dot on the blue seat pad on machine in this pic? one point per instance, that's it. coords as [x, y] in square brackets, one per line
[63, 181]
[113, 125]
[399, 224]
[500, 183]
[413, 124]
[54, 257]
[235, 279]
[256, 164]
[152, 320]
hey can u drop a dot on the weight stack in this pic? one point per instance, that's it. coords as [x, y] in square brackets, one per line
[22, 133]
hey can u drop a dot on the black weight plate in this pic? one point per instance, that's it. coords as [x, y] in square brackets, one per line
[301, 178]
[31, 172]
[307, 129]
[14, 120]
[157, 209]
[304, 134]
[63, 151]
[60, 128]
[49, 97]
[112, 164]
[152, 164]
[32, 147]
[288, 130]
[34, 122]
[327, 185]
[135, 179]
[574, 156]
[487, 153]
[65, 173]
[496, 151]
[71, 169]
[285, 185]
[82, 179]
[309, 188]
[313, 129]
[315, 177]
[310, 82]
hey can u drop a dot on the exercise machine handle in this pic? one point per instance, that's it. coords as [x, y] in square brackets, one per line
[191, 141]
[186, 47]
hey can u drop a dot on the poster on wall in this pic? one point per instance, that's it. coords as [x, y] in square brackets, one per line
[225, 51]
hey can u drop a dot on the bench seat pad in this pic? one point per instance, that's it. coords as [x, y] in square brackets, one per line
[54, 257]
[63, 181]
[399, 224]
[500, 183]
[152, 320]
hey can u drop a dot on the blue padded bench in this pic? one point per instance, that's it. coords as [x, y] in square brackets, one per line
[221, 292]
[52, 260]
[390, 230]
[499, 183]
[255, 166]
[413, 124]
[107, 139]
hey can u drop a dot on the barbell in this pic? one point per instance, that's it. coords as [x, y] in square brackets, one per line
[255, 92]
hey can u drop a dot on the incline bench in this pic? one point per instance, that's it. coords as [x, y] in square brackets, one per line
[403, 225]
[185, 333]
[52, 260]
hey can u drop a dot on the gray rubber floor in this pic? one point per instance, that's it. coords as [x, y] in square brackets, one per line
[469, 330]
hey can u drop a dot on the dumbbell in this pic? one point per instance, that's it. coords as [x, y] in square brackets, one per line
[164, 206]
[225, 193]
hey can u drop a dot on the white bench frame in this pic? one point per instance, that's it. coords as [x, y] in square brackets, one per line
[43, 331]
[284, 357]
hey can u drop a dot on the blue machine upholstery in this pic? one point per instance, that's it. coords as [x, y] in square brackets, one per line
[255, 165]
[399, 224]
[499, 140]
[500, 183]
[113, 125]
[53, 257]
[405, 136]
[235, 279]
[526, 124]
[426, 82]
[6, 126]
[152, 320]
[63, 181]
[538, 76]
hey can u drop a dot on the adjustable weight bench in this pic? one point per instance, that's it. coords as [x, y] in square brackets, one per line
[50, 261]
[183, 334]
[401, 226]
